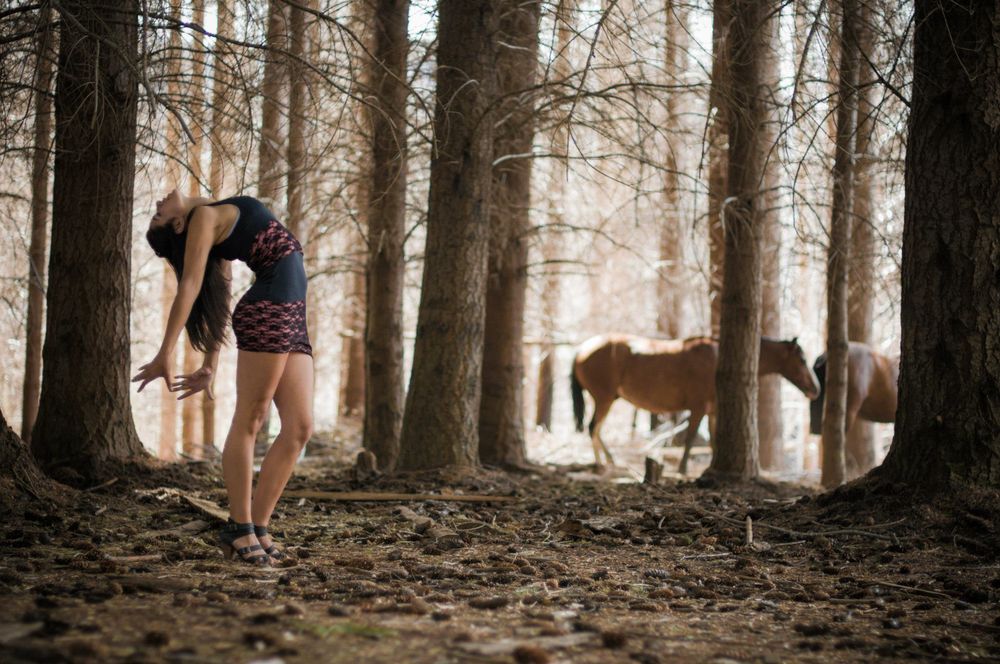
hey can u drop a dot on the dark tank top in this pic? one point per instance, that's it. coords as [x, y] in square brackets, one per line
[256, 238]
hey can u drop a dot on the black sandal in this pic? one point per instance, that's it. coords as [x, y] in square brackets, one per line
[231, 532]
[272, 551]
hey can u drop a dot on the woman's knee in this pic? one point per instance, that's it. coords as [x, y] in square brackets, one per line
[297, 431]
[251, 416]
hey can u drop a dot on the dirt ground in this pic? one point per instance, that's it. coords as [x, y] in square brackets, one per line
[562, 567]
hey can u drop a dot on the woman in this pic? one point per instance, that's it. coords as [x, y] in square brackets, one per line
[274, 362]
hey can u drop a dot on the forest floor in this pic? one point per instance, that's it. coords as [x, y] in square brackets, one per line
[562, 566]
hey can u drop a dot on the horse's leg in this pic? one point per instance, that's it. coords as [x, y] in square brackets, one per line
[601, 408]
[692, 430]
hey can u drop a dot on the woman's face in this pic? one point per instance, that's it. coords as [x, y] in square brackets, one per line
[169, 211]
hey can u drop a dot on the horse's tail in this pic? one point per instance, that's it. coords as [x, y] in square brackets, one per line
[816, 405]
[577, 391]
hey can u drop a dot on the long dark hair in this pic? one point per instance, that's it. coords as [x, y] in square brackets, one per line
[206, 326]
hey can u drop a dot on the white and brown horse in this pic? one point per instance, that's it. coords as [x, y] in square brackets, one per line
[871, 395]
[667, 376]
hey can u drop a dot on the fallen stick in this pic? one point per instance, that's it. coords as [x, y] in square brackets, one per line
[918, 591]
[376, 496]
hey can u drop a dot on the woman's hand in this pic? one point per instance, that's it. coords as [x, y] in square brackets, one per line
[193, 383]
[158, 368]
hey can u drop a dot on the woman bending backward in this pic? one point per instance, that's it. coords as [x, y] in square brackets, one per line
[274, 363]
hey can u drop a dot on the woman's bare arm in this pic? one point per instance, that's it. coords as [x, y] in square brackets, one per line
[201, 236]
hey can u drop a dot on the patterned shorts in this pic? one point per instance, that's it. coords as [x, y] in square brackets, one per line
[271, 315]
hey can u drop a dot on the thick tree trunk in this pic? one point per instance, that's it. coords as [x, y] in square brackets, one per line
[440, 425]
[718, 137]
[769, 420]
[860, 452]
[501, 413]
[386, 234]
[84, 418]
[839, 261]
[44, 56]
[736, 445]
[18, 468]
[948, 421]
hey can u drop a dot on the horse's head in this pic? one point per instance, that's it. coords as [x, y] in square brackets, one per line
[793, 366]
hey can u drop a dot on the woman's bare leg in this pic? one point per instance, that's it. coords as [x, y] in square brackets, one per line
[257, 377]
[293, 399]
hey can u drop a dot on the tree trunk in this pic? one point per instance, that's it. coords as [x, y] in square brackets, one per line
[501, 412]
[84, 418]
[551, 240]
[948, 421]
[440, 424]
[272, 142]
[860, 452]
[272, 145]
[718, 136]
[220, 134]
[44, 56]
[17, 467]
[769, 420]
[193, 421]
[167, 445]
[736, 445]
[386, 235]
[670, 285]
[839, 261]
[352, 364]
[298, 119]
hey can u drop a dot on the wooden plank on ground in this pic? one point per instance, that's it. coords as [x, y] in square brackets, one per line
[376, 496]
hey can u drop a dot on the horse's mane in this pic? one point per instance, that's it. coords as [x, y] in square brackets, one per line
[691, 341]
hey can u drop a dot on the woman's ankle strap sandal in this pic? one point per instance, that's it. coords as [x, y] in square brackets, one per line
[231, 532]
[272, 551]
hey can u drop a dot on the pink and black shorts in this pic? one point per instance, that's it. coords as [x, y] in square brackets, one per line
[271, 315]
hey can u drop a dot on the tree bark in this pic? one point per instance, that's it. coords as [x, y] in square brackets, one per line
[386, 235]
[770, 428]
[440, 424]
[501, 413]
[670, 285]
[551, 240]
[17, 466]
[44, 56]
[191, 425]
[948, 420]
[839, 261]
[193, 412]
[736, 449]
[84, 418]
[167, 444]
[272, 142]
[718, 137]
[298, 119]
[860, 452]
[352, 365]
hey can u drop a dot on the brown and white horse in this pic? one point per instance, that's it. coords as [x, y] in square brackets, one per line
[871, 395]
[666, 376]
